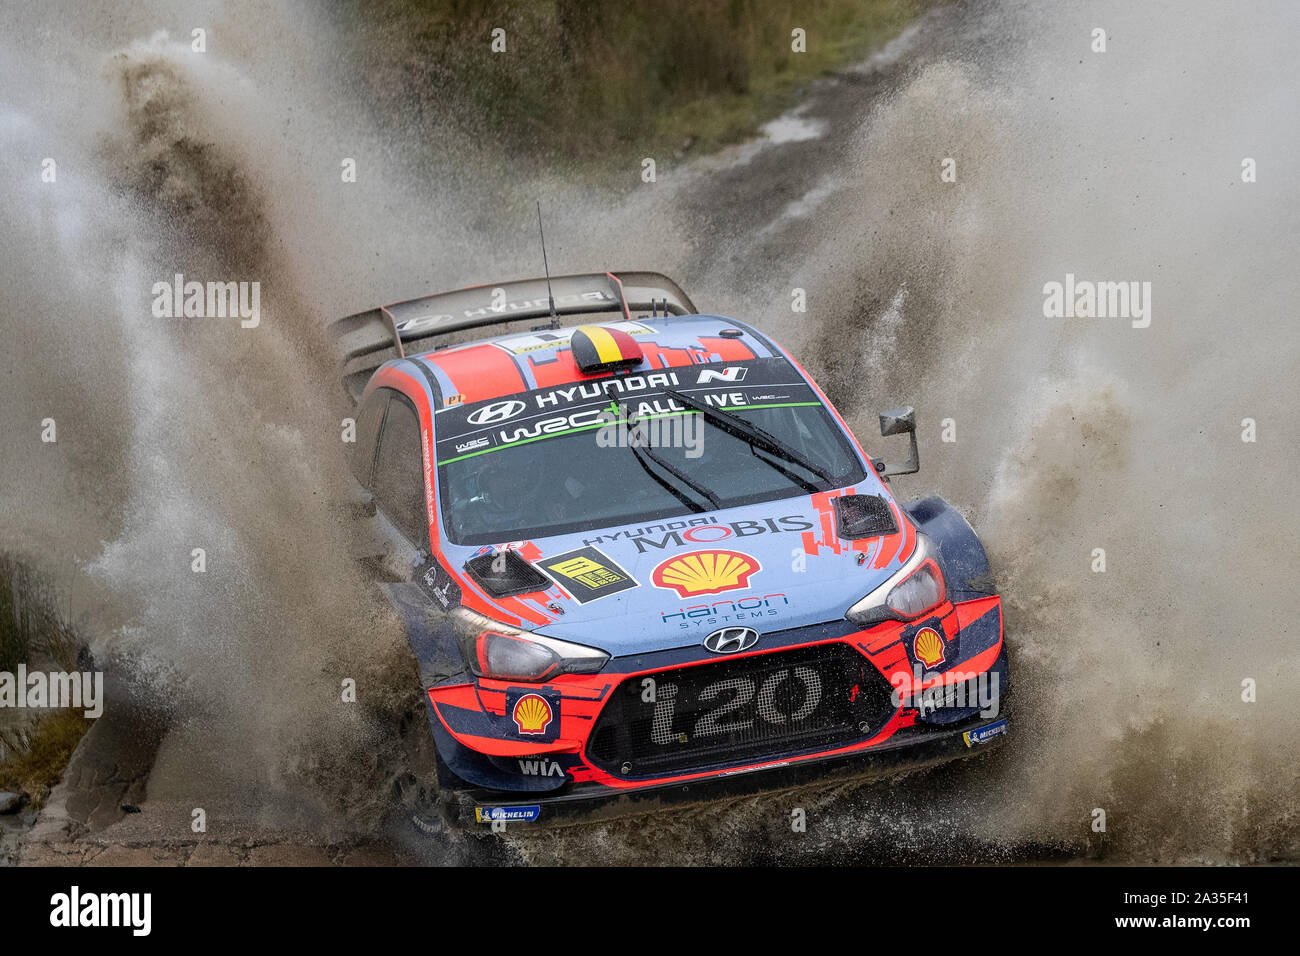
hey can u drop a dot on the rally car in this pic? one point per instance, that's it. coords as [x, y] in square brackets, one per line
[641, 558]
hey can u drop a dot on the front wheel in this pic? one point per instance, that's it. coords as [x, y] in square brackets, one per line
[416, 788]
[416, 794]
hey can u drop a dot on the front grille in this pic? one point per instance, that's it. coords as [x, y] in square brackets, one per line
[740, 711]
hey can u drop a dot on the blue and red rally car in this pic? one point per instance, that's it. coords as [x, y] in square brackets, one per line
[640, 557]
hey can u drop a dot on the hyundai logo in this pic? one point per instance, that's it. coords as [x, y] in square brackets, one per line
[731, 640]
[496, 412]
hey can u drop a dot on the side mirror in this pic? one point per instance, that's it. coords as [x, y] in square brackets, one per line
[899, 421]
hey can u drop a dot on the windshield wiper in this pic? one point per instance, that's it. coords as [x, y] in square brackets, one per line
[749, 432]
[799, 480]
[644, 454]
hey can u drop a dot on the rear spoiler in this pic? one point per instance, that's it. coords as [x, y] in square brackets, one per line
[368, 339]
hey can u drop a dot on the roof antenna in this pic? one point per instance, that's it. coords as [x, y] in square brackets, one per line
[555, 318]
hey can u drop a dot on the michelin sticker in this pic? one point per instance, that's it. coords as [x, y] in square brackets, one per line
[507, 814]
[984, 734]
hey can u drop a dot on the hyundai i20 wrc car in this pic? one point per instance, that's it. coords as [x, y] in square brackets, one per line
[641, 558]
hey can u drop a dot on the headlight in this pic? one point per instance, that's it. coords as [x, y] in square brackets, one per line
[501, 652]
[912, 590]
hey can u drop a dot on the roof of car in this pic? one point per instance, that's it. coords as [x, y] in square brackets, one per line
[542, 358]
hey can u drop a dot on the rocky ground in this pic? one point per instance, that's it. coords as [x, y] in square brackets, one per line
[101, 815]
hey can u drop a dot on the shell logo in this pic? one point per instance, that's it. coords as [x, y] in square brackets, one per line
[705, 572]
[532, 714]
[928, 646]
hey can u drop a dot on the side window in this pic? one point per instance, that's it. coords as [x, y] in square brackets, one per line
[399, 471]
[369, 418]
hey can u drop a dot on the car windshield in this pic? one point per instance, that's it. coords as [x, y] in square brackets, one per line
[535, 465]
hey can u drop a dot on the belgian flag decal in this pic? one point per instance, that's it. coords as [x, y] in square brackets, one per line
[598, 349]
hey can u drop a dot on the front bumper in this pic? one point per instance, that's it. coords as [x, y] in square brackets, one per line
[567, 774]
[475, 807]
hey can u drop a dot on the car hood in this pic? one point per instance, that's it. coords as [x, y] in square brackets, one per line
[771, 566]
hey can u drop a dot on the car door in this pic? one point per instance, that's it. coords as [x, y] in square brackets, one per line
[390, 465]
[399, 531]
[398, 479]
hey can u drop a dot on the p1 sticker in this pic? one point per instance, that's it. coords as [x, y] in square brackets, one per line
[587, 574]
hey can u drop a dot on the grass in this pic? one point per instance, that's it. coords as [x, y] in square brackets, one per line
[33, 629]
[585, 82]
[838, 34]
[31, 624]
[35, 757]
